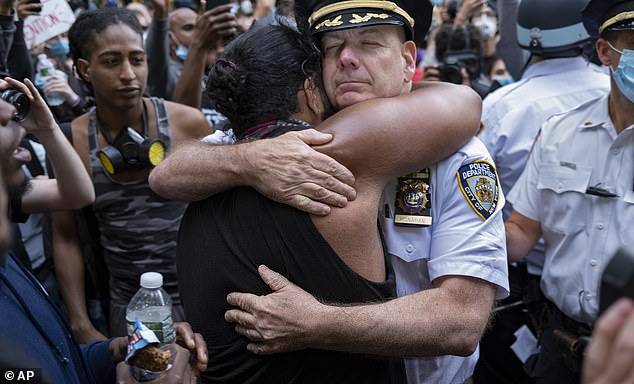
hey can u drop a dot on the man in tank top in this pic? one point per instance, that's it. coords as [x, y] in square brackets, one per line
[137, 228]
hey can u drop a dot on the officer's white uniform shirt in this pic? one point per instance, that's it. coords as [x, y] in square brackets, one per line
[458, 242]
[513, 115]
[577, 150]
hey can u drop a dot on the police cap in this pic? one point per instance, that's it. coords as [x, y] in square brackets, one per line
[608, 15]
[332, 15]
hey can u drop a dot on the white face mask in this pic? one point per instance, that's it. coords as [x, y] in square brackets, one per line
[487, 26]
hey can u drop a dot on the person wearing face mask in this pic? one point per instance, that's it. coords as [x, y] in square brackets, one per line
[63, 82]
[552, 30]
[486, 22]
[167, 45]
[178, 56]
[577, 192]
[58, 47]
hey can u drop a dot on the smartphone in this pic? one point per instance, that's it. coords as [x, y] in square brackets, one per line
[34, 2]
[211, 4]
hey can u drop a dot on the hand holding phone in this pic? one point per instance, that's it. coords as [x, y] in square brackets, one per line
[25, 8]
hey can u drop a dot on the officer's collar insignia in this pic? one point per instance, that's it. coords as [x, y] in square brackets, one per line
[479, 185]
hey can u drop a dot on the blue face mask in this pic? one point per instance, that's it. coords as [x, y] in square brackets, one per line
[503, 79]
[59, 48]
[623, 75]
[181, 52]
[437, 2]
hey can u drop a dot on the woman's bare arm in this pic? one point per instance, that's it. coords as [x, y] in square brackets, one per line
[393, 136]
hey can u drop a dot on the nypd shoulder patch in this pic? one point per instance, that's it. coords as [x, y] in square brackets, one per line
[479, 185]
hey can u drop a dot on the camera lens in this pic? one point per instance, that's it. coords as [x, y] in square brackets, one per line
[19, 100]
[450, 73]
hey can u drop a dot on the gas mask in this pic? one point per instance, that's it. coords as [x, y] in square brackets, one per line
[131, 151]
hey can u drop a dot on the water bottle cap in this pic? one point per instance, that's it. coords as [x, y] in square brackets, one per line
[42, 56]
[151, 280]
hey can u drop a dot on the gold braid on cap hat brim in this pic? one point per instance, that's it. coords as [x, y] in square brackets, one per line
[623, 16]
[353, 4]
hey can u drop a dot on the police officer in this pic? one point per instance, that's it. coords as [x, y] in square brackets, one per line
[553, 32]
[577, 191]
[443, 227]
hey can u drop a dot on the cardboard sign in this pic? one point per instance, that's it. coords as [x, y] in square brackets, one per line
[56, 17]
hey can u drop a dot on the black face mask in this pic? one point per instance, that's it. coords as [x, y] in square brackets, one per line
[131, 150]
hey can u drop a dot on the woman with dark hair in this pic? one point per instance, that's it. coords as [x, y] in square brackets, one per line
[137, 228]
[267, 83]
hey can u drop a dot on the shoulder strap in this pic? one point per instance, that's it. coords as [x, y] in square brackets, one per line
[162, 120]
[92, 131]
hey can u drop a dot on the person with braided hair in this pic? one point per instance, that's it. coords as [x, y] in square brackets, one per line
[268, 83]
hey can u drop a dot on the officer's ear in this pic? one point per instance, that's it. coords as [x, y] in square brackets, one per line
[607, 55]
[408, 53]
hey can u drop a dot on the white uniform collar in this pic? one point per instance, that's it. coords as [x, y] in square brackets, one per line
[553, 66]
[599, 115]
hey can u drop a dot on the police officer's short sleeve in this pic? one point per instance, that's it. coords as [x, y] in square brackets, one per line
[468, 236]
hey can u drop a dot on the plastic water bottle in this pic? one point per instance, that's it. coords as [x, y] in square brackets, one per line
[45, 70]
[153, 307]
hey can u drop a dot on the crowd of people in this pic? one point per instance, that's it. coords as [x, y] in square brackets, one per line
[345, 191]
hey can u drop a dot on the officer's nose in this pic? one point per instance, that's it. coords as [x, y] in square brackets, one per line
[348, 58]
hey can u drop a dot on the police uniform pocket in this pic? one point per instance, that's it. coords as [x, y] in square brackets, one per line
[563, 195]
[406, 243]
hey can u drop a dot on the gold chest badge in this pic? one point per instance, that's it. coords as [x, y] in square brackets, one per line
[413, 200]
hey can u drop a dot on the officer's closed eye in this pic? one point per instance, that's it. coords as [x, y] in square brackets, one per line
[330, 46]
[372, 43]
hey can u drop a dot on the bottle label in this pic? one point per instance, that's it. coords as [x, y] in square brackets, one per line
[164, 329]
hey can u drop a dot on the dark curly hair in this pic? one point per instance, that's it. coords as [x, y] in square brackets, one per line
[259, 74]
[91, 23]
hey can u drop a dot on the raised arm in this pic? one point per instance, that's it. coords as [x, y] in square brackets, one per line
[211, 28]
[393, 136]
[72, 187]
[157, 47]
